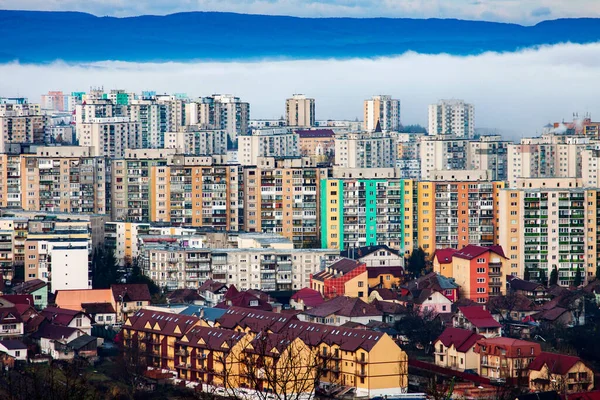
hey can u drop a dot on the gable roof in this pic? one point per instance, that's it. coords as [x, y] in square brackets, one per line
[342, 266]
[19, 298]
[29, 287]
[444, 256]
[60, 316]
[374, 272]
[10, 315]
[131, 292]
[211, 338]
[13, 344]
[479, 317]
[184, 296]
[54, 332]
[166, 323]
[81, 341]
[462, 339]
[347, 339]
[245, 299]
[310, 297]
[509, 345]
[98, 308]
[255, 320]
[231, 292]
[363, 251]
[558, 364]
[346, 307]
[73, 299]
[472, 251]
[212, 286]
[523, 285]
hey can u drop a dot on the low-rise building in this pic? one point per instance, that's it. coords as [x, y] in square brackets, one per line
[341, 310]
[476, 319]
[455, 349]
[506, 358]
[560, 372]
[11, 323]
[36, 288]
[129, 298]
[345, 277]
[69, 318]
[14, 348]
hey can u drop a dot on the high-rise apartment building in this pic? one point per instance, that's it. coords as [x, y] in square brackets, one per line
[282, 197]
[59, 101]
[452, 118]
[455, 214]
[191, 140]
[110, 137]
[268, 142]
[218, 111]
[363, 212]
[300, 111]
[21, 123]
[547, 224]
[384, 111]
[489, 153]
[365, 150]
[442, 154]
[154, 120]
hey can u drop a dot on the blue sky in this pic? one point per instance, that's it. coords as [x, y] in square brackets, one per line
[518, 11]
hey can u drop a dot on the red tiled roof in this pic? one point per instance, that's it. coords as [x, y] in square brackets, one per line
[347, 338]
[211, 338]
[310, 297]
[167, 322]
[245, 299]
[387, 294]
[595, 395]
[345, 265]
[98, 308]
[54, 332]
[231, 292]
[256, 320]
[184, 296]
[444, 256]
[346, 307]
[549, 315]
[9, 315]
[19, 298]
[211, 286]
[131, 292]
[22, 308]
[60, 316]
[558, 364]
[509, 345]
[315, 133]
[462, 339]
[374, 272]
[472, 251]
[479, 317]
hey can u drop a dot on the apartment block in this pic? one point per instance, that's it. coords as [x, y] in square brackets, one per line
[282, 197]
[318, 144]
[225, 112]
[59, 101]
[110, 137]
[268, 142]
[364, 212]
[384, 111]
[547, 224]
[365, 150]
[300, 111]
[489, 153]
[506, 358]
[443, 153]
[452, 118]
[154, 121]
[191, 140]
[122, 238]
[455, 214]
[21, 123]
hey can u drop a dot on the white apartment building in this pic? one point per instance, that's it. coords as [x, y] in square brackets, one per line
[269, 142]
[300, 111]
[365, 150]
[452, 117]
[110, 136]
[384, 110]
[441, 154]
[489, 153]
[191, 140]
[225, 112]
[154, 119]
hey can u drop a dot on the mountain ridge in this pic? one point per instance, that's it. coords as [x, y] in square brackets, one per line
[46, 36]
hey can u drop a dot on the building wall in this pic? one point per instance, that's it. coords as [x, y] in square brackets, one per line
[358, 286]
[583, 381]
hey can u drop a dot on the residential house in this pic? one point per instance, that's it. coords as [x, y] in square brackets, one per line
[185, 296]
[101, 313]
[479, 271]
[533, 290]
[514, 312]
[442, 261]
[436, 282]
[478, 320]
[560, 372]
[244, 299]
[567, 309]
[427, 301]
[386, 295]
[345, 277]
[391, 312]
[85, 346]
[154, 333]
[305, 299]
[14, 348]
[340, 310]
[506, 358]
[375, 256]
[129, 298]
[455, 349]
[212, 292]
[53, 340]
[74, 298]
[11, 323]
[385, 277]
[69, 318]
[37, 288]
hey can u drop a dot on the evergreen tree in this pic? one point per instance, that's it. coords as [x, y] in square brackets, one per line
[104, 269]
[526, 274]
[578, 277]
[554, 277]
[138, 277]
[416, 262]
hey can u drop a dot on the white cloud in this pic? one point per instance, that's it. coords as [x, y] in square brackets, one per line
[520, 11]
[516, 91]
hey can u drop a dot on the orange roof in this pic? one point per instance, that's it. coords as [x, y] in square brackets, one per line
[72, 299]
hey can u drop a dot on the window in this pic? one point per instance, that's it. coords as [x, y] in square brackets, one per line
[17, 353]
[480, 290]
[138, 303]
[360, 284]
[481, 270]
[481, 261]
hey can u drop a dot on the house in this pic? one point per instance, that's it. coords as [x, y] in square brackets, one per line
[244, 299]
[212, 292]
[392, 312]
[306, 298]
[442, 261]
[37, 288]
[375, 256]
[73, 299]
[345, 277]
[387, 295]
[480, 272]
[560, 372]
[14, 348]
[185, 296]
[427, 301]
[513, 307]
[53, 340]
[478, 320]
[69, 318]
[129, 298]
[455, 349]
[11, 323]
[85, 346]
[101, 313]
[506, 358]
[340, 310]
[567, 309]
[533, 290]
[385, 277]
[19, 299]
[434, 281]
